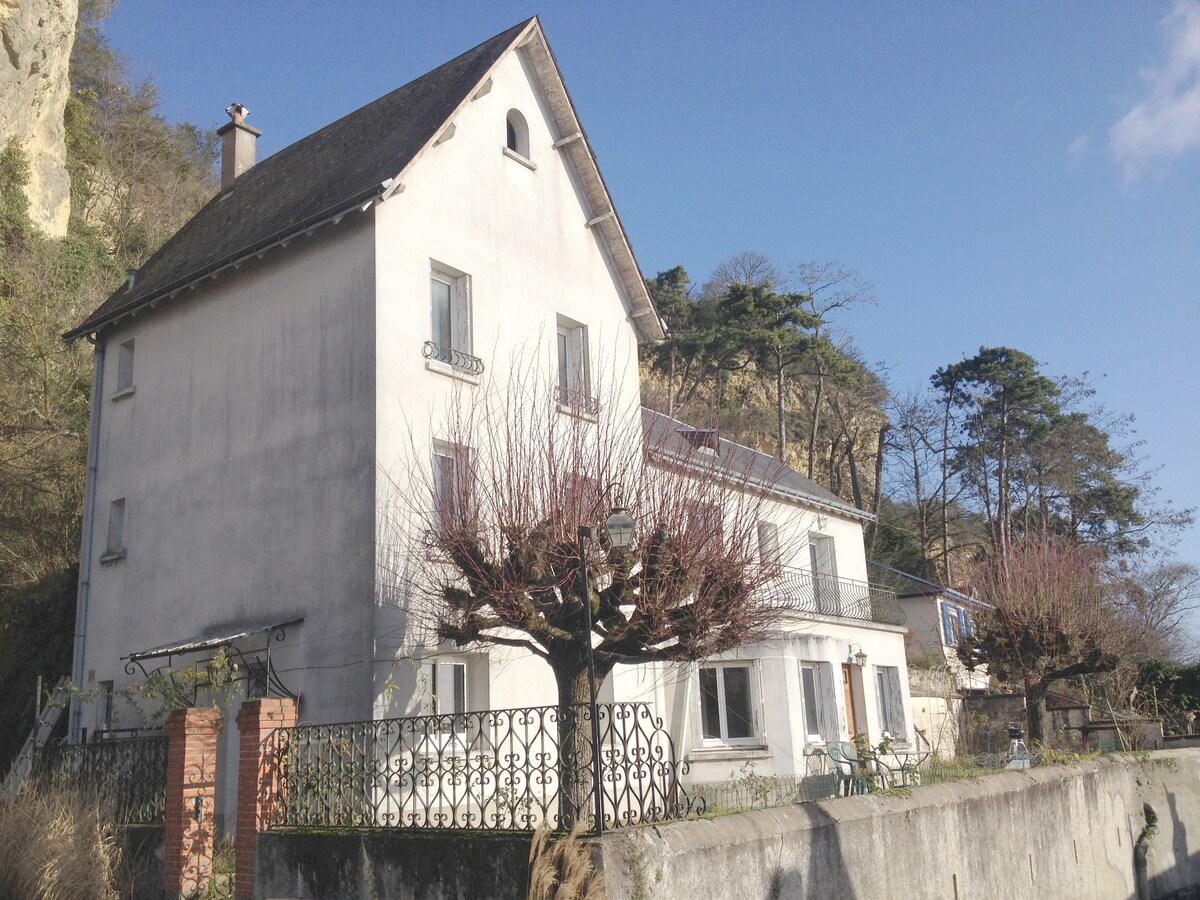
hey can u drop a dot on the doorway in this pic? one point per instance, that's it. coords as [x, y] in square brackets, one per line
[851, 708]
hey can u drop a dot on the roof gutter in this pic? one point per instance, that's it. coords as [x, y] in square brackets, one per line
[190, 281]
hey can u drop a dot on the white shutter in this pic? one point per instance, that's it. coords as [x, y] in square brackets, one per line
[461, 318]
[895, 701]
[760, 710]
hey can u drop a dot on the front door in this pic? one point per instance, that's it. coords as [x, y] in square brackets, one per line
[848, 687]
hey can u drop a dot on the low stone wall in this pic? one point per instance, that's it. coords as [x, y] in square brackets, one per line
[1056, 831]
[392, 865]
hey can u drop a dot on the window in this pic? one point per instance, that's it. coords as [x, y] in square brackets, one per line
[768, 548]
[104, 711]
[517, 134]
[891, 701]
[726, 704]
[705, 439]
[573, 378]
[450, 485]
[124, 369]
[115, 546]
[450, 317]
[823, 566]
[815, 685]
[443, 687]
[956, 623]
[704, 528]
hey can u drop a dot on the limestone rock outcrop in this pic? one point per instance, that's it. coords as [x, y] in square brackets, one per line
[37, 37]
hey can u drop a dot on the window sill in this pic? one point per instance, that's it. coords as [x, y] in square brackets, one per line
[517, 157]
[723, 752]
[449, 371]
[123, 393]
[111, 556]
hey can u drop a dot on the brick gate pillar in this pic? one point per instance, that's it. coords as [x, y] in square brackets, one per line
[191, 796]
[258, 786]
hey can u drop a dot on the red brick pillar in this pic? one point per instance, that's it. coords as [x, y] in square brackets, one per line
[191, 797]
[258, 779]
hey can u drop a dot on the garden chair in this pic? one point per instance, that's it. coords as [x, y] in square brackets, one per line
[852, 771]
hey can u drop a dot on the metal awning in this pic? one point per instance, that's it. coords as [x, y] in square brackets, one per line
[210, 640]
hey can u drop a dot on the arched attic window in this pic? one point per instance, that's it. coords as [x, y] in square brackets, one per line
[518, 133]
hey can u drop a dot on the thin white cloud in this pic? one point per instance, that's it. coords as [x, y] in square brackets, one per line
[1081, 145]
[1166, 123]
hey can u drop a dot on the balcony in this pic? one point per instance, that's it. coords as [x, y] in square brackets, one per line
[798, 590]
[578, 402]
[456, 359]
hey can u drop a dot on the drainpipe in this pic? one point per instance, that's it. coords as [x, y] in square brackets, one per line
[85, 550]
[1140, 848]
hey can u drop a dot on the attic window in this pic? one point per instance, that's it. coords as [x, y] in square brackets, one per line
[702, 439]
[518, 133]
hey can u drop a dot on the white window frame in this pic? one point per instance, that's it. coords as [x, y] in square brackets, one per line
[448, 497]
[124, 370]
[572, 366]
[822, 565]
[439, 700]
[820, 673]
[516, 134]
[754, 739]
[452, 333]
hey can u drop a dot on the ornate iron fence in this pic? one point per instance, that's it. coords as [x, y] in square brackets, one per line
[800, 590]
[130, 773]
[456, 358]
[497, 770]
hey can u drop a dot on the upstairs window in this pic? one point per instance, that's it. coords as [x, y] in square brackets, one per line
[450, 320]
[768, 548]
[517, 133]
[124, 370]
[450, 485]
[574, 383]
[115, 544]
[823, 565]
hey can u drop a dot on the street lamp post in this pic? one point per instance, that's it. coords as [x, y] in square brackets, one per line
[619, 528]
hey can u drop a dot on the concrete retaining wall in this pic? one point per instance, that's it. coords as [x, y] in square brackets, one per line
[391, 866]
[1054, 832]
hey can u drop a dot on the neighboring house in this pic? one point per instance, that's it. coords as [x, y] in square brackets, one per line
[938, 617]
[258, 379]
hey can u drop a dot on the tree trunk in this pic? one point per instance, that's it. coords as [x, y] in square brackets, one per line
[1035, 710]
[576, 767]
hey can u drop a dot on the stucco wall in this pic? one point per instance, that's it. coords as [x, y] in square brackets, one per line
[1058, 831]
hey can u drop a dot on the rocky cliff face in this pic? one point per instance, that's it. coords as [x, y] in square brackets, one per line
[37, 37]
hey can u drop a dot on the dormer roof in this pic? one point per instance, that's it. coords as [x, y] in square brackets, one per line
[358, 160]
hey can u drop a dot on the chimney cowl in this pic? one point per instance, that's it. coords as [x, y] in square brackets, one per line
[132, 278]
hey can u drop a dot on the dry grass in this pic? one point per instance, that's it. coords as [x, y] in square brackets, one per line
[57, 845]
[562, 869]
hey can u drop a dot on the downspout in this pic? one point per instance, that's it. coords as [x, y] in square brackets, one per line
[85, 550]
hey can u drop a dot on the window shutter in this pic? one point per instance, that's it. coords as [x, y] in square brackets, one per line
[895, 702]
[768, 546]
[947, 631]
[827, 703]
[461, 319]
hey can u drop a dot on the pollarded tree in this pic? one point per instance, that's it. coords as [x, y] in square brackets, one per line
[1054, 618]
[494, 531]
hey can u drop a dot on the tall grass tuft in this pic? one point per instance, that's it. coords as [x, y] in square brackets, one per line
[57, 844]
[562, 869]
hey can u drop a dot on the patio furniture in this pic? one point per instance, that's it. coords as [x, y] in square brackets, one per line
[853, 775]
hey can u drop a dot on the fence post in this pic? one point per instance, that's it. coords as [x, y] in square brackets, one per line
[257, 773]
[190, 799]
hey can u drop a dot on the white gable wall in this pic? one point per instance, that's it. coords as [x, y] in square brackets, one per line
[520, 235]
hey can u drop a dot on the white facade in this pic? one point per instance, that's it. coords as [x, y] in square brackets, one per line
[247, 429]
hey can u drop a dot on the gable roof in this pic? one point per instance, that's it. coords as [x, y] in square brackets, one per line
[350, 164]
[668, 439]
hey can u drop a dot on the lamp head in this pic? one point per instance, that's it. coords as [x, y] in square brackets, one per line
[620, 528]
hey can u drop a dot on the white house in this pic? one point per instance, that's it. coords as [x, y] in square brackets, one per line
[258, 379]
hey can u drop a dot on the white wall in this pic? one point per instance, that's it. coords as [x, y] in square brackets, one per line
[520, 235]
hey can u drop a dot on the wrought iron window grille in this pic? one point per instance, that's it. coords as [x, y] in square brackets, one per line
[577, 401]
[456, 359]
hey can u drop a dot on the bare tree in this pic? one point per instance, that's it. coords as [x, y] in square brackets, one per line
[495, 538]
[1159, 598]
[1054, 618]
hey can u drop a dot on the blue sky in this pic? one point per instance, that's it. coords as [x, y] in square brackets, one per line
[1025, 174]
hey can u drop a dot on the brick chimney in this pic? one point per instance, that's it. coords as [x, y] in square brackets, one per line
[237, 145]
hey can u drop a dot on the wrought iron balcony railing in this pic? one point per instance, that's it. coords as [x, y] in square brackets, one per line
[578, 401]
[802, 591]
[454, 358]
